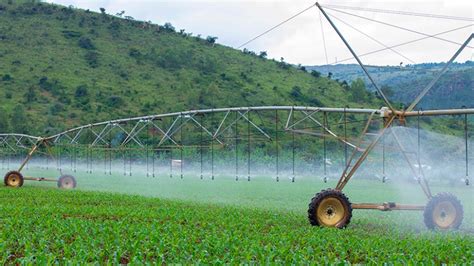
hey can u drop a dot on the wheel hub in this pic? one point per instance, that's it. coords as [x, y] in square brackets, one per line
[67, 183]
[330, 212]
[444, 214]
[13, 180]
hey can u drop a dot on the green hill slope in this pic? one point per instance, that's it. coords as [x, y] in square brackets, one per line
[66, 67]
[454, 89]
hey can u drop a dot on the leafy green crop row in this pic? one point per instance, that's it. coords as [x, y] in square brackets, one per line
[44, 225]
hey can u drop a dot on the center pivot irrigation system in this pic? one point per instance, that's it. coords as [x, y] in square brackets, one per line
[211, 130]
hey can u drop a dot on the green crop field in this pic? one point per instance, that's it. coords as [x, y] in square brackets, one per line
[172, 220]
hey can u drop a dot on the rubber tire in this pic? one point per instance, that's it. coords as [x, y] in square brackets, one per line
[434, 201]
[63, 178]
[17, 173]
[325, 193]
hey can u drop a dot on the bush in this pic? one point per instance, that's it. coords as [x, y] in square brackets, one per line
[114, 26]
[173, 60]
[30, 95]
[92, 58]
[296, 92]
[86, 43]
[81, 91]
[211, 39]
[114, 101]
[135, 53]
[69, 34]
[315, 74]
[6, 77]
[169, 27]
[56, 108]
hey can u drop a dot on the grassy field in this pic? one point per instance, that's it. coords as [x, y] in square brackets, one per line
[173, 220]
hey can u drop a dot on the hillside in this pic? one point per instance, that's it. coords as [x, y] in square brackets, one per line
[454, 89]
[61, 67]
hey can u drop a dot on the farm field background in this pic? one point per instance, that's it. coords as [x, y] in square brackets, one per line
[166, 220]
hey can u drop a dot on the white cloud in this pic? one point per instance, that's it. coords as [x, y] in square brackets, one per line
[300, 40]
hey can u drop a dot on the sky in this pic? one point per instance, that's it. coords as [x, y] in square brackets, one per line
[300, 41]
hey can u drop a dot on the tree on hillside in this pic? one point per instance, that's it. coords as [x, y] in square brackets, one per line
[211, 39]
[30, 95]
[102, 10]
[387, 90]
[120, 14]
[315, 74]
[358, 91]
[86, 43]
[4, 121]
[169, 27]
[81, 91]
[92, 58]
[263, 54]
[19, 121]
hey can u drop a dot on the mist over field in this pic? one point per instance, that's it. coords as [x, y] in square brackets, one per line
[146, 143]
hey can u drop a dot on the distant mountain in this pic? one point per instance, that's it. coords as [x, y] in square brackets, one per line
[454, 89]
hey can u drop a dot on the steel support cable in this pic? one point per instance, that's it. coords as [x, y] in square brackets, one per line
[201, 146]
[380, 92]
[105, 161]
[439, 74]
[130, 153]
[466, 139]
[181, 150]
[324, 38]
[293, 152]
[398, 12]
[395, 26]
[124, 157]
[384, 178]
[236, 148]
[324, 147]
[153, 161]
[345, 136]
[276, 145]
[372, 38]
[418, 144]
[212, 148]
[404, 43]
[147, 147]
[276, 26]
[248, 147]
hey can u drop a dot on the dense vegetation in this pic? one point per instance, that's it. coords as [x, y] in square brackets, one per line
[61, 66]
[403, 84]
[220, 221]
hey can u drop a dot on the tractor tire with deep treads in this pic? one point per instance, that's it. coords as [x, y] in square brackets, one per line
[443, 211]
[67, 182]
[13, 179]
[330, 208]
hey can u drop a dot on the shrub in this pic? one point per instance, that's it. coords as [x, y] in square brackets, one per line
[211, 39]
[81, 91]
[6, 77]
[86, 43]
[56, 108]
[92, 58]
[315, 74]
[30, 95]
[114, 101]
[169, 27]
